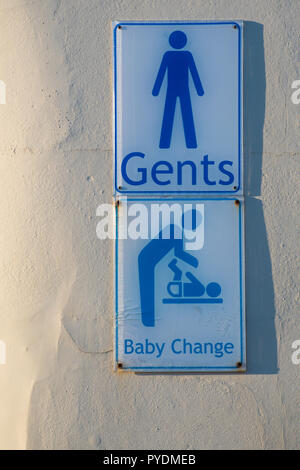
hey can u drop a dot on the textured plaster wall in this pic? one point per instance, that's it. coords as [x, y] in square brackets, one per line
[58, 389]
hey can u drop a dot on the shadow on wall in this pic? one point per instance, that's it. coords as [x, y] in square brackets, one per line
[260, 308]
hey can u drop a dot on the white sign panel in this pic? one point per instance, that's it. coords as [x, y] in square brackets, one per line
[178, 107]
[180, 285]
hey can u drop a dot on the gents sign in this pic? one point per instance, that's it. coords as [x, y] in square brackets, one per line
[178, 107]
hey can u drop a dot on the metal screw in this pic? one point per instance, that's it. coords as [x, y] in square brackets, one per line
[237, 202]
[239, 364]
[119, 27]
[120, 365]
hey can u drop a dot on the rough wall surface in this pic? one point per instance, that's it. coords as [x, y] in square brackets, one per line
[58, 390]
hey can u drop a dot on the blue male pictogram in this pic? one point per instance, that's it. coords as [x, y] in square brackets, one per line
[177, 64]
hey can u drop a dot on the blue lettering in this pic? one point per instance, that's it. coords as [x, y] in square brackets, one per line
[187, 347]
[173, 346]
[219, 350]
[180, 165]
[163, 167]
[155, 171]
[226, 172]
[228, 348]
[182, 346]
[143, 171]
[205, 162]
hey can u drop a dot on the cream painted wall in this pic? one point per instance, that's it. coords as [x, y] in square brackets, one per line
[58, 389]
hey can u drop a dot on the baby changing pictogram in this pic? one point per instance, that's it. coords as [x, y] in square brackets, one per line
[179, 291]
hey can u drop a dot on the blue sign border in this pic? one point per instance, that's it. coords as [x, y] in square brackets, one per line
[241, 247]
[157, 23]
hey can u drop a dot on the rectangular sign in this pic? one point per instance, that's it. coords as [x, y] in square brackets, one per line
[178, 107]
[180, 285]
